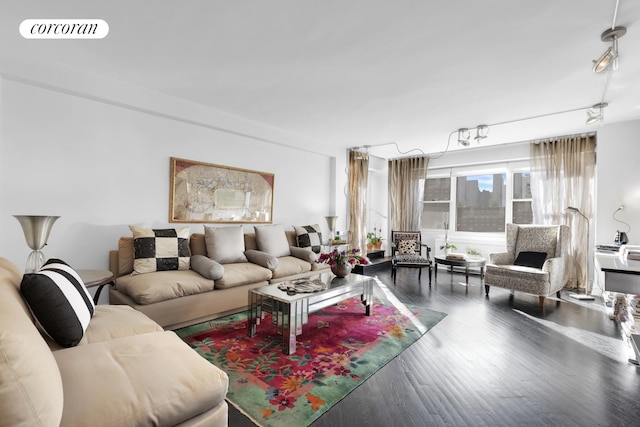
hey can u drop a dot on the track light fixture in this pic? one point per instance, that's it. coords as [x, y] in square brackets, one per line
[481, 132]
[610, 56]
[463, 137]
[595, 113]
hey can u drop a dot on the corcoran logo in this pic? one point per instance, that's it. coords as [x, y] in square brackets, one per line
[64, 29]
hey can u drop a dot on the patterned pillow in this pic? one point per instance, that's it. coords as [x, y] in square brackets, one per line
[160, 249]
[309, 236]
[406, 247]
[59, 300]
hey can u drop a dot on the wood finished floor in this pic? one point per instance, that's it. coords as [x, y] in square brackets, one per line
[496, 361]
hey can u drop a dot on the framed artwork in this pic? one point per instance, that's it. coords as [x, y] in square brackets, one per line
[208, 193]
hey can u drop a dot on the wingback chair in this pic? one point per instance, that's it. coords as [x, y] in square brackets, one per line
[406, 251]
[534, 262]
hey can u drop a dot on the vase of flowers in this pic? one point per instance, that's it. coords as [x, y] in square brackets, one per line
[341, 262]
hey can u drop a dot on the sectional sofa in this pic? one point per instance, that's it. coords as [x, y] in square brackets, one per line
[217, 270]
[123, 370]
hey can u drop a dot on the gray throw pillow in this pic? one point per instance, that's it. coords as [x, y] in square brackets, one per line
[272, 240]
[206, 267]
[225, 244]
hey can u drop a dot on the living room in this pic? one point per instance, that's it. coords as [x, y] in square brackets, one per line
[95, 150]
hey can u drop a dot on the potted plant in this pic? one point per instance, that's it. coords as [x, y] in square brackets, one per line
[473, 253]
[374, 240]
[448, 247]
[341, 262]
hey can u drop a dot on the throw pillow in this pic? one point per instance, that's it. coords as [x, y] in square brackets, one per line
[59, 300]
[406, 247]
[207, 267]
[225, 244]
[309, 236]
[160, 249]
[272, 240]
[530, 259]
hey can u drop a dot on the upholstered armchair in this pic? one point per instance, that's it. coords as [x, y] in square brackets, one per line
[406, 251]
[534, 262]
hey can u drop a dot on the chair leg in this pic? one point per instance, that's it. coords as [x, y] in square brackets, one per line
[429, 276]
[559, 295]
[393, 274]
[419, 274]
[541, 298]
[486, 290]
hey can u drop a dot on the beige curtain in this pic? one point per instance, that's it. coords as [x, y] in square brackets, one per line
[358, 177]
[563, 175]
[406, 182]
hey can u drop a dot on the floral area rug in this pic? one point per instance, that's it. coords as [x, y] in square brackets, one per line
[340, 347]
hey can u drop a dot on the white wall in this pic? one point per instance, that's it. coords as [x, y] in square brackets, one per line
[98, 156]
[618, 181]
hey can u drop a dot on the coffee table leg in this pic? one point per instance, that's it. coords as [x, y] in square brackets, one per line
[367, 296]
[290, 323]
[253, 313]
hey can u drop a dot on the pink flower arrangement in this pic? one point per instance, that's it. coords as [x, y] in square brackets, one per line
[352, 257]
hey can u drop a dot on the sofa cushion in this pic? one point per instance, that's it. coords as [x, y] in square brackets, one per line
[272, 240]
[206, 267]
[30, 383]
[530, 259]
[125, 255]
[225, 244]
[59, 300]
[309, 236]
[162, 285]
[242, 273]
[143, 380]
[160, 249]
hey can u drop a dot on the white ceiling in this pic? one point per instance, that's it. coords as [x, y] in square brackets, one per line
[360, 72]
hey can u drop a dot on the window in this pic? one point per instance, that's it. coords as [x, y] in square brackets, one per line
[522, 212]
[435, 210]
[478, 202]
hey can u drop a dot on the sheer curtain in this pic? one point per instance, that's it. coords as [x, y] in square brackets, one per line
[563, 175]
[358, 177]
[406, 182]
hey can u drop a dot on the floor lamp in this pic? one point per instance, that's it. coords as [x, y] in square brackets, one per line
[587, 295]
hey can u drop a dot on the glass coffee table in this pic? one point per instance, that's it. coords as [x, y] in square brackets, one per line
[290, 310]
[466, 263]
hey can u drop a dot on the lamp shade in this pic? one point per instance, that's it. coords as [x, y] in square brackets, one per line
[36, 229]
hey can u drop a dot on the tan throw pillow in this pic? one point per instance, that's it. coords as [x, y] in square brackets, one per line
[160, 249]
[225, 244]
[272, 240]
[406, 247]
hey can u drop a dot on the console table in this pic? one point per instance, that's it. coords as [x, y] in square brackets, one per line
[623, 276]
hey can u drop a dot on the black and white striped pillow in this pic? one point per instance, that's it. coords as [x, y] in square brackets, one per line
[59, 300]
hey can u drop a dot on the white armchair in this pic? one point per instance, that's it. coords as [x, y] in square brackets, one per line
[534, 262]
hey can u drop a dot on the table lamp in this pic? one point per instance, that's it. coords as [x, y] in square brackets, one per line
[36, 230]
[331, 222]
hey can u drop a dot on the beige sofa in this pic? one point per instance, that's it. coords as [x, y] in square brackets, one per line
[126, 371]
[178, 298]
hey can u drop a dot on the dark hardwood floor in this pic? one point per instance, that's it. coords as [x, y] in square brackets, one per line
[496, 361]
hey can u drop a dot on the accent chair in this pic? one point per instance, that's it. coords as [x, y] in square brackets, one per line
[407, 252]
[534, 262]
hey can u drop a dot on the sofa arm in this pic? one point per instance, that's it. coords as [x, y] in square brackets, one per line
[501, 258]
[262, 259]
[207, 267]
[304, 254]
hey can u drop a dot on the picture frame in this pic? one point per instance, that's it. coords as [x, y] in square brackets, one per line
[209, 193]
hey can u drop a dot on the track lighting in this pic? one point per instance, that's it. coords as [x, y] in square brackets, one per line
[595, 113]
[463, 137]
[610, 56]
[481, 132]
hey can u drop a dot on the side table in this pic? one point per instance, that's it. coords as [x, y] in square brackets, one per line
[93, 278]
